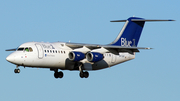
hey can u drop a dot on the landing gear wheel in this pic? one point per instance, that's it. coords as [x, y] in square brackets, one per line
[86, 74]
[81, 75]
[16, 70]
[58, 74]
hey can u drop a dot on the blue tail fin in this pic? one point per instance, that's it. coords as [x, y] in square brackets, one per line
[130, 33]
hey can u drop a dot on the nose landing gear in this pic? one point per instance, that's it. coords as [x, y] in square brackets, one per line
[57, 74]
[17, 70]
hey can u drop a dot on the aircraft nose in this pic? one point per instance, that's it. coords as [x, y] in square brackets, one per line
[10, 58]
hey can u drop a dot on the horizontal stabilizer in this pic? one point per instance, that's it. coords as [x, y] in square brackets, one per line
[119, 21]
[142, 20]
[150, 20]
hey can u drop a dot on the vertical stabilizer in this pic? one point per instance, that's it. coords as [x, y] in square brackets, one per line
[130, 33]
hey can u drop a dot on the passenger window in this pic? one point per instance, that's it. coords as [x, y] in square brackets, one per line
[48, 51]
[20, 49]
[53, 51]
[45, 51]
[56, 51]
[30, 49]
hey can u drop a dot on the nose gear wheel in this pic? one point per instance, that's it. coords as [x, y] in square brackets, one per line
[17, 70]
[58, 74]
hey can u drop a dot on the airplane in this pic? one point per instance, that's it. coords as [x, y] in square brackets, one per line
[81, 57]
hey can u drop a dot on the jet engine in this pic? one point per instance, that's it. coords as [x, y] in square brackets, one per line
[94, 56]
[76, 56]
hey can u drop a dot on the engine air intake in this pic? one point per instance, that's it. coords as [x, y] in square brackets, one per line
[94, 56]
[76, 56]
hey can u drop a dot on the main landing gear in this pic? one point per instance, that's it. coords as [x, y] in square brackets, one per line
[17, 70]
[79, 66]
[82, 74]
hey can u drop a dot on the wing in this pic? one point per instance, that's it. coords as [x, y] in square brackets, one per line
[108, 47]
[79, 45]
[14, 49]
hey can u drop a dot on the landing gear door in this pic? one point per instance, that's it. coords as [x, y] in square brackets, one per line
[40, 51]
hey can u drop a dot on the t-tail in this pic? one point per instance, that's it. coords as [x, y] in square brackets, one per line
[130, 34]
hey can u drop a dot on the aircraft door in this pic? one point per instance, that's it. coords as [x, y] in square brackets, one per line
[40, 51]
[113, 59]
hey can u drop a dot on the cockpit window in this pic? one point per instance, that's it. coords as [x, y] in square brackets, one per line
[20, 49]
[30, 49]
[26, 49]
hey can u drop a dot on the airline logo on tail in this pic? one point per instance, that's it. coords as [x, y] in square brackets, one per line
[125, 43]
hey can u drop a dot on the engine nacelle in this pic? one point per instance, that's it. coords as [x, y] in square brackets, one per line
[76, 56]
[94, 56]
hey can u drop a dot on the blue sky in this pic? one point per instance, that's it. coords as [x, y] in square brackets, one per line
[153, 76]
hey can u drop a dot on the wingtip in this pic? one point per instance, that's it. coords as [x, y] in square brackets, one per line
[11, 49]
[172, 20]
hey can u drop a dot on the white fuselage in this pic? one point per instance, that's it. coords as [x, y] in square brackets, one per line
[55, 56]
